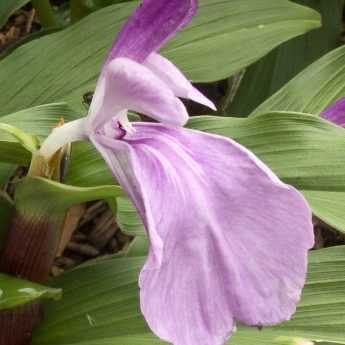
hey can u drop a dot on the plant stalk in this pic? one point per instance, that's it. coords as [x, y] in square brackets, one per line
[29, 252]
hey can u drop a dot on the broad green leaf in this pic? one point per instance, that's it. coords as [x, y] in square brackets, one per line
[273, 71]
[82, 8]
[8, 7]
[15, 292]
[138, 247]
[312, 90]
[100, 306]
[38, 121]
[87, 167]
[128, 219]
[220, 26]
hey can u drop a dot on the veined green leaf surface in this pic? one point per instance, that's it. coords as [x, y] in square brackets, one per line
[220, 26]
[313, 89]
[100, 306]
[128, 219]
[273, 71]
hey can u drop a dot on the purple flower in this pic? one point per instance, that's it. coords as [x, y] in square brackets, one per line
[228, 239]
[335, 112]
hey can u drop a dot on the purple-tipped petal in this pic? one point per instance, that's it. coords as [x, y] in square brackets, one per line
[174, 78]
[228, 239]
[126, 84]
[335, 112]
[152, 24]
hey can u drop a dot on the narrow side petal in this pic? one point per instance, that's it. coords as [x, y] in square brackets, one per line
[126, 84]
[229, 239]
[174, 78]
[152, 24]
[335, 112]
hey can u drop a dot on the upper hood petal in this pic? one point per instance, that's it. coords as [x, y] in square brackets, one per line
[126, 84]
[152, 24]
[174, 78]
[228, 239]
[335, 112]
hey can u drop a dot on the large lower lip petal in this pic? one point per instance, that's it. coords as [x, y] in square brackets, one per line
[228, 240]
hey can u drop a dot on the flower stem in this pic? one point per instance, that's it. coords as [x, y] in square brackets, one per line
[45, 13]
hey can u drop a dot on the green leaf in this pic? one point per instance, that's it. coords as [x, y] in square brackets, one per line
[15, 292]
[100, 307]
[273, 71]
[87, 167]
[60, 195]
[8, 7]
[220, 26]
[138, 247]
[312, 90]
[37, 121]
[82, 8]
[128, 219]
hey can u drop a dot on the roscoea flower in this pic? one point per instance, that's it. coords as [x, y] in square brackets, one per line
[228, 239]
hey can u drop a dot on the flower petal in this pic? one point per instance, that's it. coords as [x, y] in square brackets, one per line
[228, 240]
[174, 78]
[335, 112]
[125, 84]
[152, 24]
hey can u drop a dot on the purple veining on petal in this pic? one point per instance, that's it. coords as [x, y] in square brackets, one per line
[225, 233]
[152, 24]
[335, 112]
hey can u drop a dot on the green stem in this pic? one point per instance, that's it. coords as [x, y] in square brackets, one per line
[45, 13]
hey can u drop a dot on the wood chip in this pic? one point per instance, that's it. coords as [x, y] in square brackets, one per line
[83, 249]
[104, 230]
[31, 17]
[71, 223]
[93, 212]
[56, 271]
[114, 245]
[65, 262]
